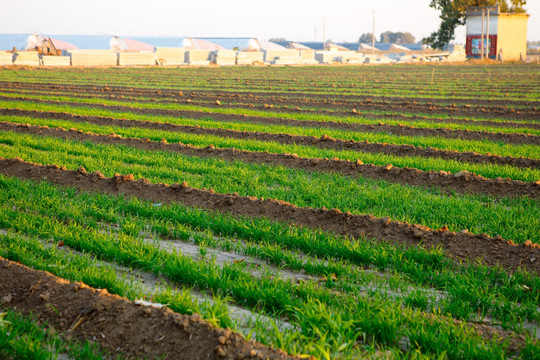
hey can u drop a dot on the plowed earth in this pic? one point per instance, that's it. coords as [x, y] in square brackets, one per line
[496, 108]
[389, 129]
[209, 100]
[119, 325]
[328, 143]
[460, 246]
[463, 181]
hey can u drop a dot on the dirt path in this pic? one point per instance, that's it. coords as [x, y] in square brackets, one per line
[388, 129]
[117, 324]
[460, 246]
[463, 181]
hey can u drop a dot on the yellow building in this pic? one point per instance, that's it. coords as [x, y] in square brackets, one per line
[505, 35]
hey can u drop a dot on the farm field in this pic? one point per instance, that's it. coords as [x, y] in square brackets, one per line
[387, 212]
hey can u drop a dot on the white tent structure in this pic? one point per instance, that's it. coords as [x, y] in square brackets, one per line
[366, 47]
[398, 48]
[268, 45]
[118, 44]
[35, 41]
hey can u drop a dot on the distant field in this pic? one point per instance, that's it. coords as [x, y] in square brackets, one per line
[335, 212]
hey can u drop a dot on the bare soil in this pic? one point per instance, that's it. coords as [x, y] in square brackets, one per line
[473, 107]
[389, 129]
[78, 311]
[150, 283]
[333, 108]
[329, 143]
[462, 246]
[463, 181]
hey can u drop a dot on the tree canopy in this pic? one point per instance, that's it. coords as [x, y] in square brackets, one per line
[452, 14]
[366, 38]
[397, 37]
[389, 37]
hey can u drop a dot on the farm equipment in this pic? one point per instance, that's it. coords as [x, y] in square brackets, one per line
[47, 48]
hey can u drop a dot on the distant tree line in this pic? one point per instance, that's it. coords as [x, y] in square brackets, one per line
[389, 37]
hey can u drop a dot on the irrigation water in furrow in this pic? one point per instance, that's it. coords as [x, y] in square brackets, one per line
[461, 246]
[116, 323]
[151, 283]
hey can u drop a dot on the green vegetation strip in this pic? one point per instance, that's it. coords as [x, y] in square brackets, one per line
[320, 312]
[22, 337]
[174, 95]
[482, 147]
[278, 115]
[489, 290]
[325, 115]
[478, 214]
[449, 83]
[421, 163]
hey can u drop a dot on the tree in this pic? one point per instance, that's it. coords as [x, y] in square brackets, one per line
[397, 37]
[386, 37]
[366, 38]
[452, 14]
[408, 38]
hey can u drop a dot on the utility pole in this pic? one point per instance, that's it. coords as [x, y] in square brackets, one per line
[324, 33]
[482, 36]
[488, 45]
[373, 36]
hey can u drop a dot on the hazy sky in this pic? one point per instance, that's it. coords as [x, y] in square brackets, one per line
[300, 20]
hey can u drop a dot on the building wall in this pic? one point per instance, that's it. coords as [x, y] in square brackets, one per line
[474, 25]
[512, 37]
[506, 31]
[474, 35]
[473, 46]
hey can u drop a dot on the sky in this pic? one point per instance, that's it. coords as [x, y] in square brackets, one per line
[299, 20]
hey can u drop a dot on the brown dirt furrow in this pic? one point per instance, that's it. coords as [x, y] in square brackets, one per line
[500, 107]
[327, 142]
[405, 106]
[211, 103]
[117, 324]
[461, 246]
[8, 300]
[381, 128]
[462, 182]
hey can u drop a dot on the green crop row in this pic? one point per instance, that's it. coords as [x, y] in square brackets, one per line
[478, 214]
[426, 164]
[22, 337]
[76, 266]
[482, 147]
[311, 291]
[399, 81]
[501, 296]
[272, 114]
[317, 311]
[311, 116]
